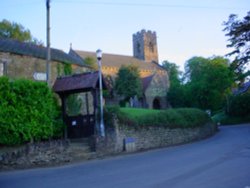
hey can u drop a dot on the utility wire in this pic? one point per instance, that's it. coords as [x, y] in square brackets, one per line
[108, 3]
[131, 4]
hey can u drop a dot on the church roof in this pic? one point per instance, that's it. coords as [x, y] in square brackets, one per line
[112, 60]
[30, 49]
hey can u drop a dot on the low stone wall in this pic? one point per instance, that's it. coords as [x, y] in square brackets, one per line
[34, 154]
[124, 138]
[119, 138]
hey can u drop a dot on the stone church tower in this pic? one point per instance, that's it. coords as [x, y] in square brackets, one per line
[145, 46]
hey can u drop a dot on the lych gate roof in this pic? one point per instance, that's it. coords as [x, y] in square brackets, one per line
[30, 49]
[84, 82]
[112, 60]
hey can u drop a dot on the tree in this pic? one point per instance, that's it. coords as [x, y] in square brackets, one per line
[128, 83]
[90, 61]
[176, 91]
[173, 72]
[238, 32]
[16, 31]
[209, 81]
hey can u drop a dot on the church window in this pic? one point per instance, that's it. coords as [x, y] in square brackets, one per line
[138, 48]
[151, 46]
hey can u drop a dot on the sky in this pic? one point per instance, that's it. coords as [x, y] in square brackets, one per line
[184, 28]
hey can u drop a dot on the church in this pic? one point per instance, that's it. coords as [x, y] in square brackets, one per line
[155, 81]
[27, 60]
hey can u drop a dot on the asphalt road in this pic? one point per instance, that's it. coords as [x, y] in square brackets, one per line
[222, 161]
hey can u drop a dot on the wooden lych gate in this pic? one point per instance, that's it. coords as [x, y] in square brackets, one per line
[79, 94]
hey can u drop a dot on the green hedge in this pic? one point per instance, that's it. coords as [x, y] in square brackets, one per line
[239, 105]
[171, 118]
[28, 112]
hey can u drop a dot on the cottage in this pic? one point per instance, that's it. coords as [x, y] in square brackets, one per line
[27, 60]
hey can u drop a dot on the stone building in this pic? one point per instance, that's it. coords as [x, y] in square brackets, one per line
[145, 46]
[27, 60]
[154, 78]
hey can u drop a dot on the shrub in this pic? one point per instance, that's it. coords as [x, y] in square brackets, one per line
[27, 112]
[171, 118]
[239, 105]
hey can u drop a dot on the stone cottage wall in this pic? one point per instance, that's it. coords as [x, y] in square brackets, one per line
[19, 66]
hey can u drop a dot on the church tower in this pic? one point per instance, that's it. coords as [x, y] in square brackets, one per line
[145, 46]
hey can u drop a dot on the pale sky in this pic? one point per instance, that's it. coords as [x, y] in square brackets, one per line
[185, 28]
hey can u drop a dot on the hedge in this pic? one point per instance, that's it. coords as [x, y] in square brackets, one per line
[28, 112]
[171, 118]
[239, 105]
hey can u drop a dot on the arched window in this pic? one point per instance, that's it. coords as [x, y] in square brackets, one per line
[138, 48]
[151, 46]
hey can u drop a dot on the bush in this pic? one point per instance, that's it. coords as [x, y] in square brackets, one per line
[171, 118]
[28, 112]
[239, 105]
[224, 119]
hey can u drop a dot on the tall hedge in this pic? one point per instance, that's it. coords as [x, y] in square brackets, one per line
[239, 105]
[28, 112]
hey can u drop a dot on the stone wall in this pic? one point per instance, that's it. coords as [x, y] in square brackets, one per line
[124, 138]
[157, 89]
[35, 154]
[145, 46]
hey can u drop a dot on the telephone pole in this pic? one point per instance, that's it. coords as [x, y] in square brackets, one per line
[48, 43]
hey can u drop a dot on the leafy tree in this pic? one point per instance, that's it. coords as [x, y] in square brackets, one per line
[176, 90]
[173, 72]
[128, 83]
[16, 31]
[67, 69]
[90, 61]
[208, 82]
[238, 32]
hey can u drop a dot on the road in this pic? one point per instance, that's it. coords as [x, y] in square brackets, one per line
[222, 161]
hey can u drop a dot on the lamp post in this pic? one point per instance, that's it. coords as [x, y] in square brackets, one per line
[99, 58]
[48, 44]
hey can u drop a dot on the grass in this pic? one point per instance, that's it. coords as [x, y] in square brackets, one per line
[171, 118]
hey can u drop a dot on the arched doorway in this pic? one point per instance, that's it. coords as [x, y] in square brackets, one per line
[156, 104]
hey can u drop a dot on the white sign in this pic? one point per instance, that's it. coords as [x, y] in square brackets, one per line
[40, 76]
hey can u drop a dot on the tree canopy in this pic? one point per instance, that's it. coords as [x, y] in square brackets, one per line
[205, 84]
[13, 30]
[238, 32]
[173, 71]
[90, 61]
[175, 92]
[128, 83]
[209, 80]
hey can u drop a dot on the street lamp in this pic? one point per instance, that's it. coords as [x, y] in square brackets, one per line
[99, 58]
